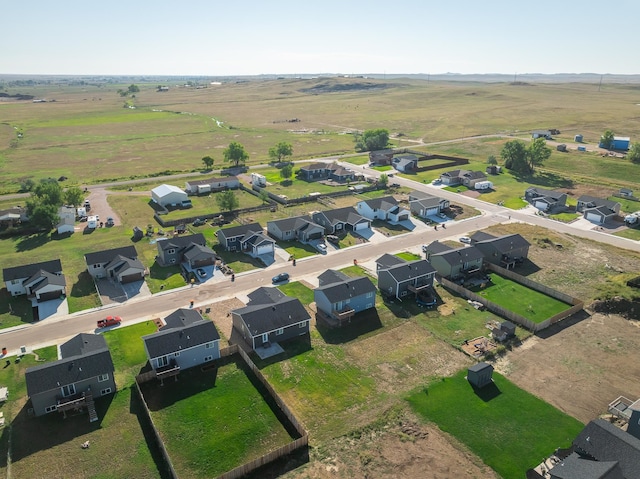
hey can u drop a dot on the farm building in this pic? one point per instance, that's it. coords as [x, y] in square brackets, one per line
[621, 143]
[67, 216]
[201, 187]
[169, 195]
[479, 375]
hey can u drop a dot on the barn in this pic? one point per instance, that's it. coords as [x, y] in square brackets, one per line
[169, 195]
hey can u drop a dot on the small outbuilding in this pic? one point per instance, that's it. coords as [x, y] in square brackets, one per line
[509, 328]
[578, 138]
[479, 375]
[169, 195]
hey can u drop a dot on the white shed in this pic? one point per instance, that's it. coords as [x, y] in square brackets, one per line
[169, 195]
[67, 216]
[483, 185]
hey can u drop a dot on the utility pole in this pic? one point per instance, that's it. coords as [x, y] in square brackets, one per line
[600, 83]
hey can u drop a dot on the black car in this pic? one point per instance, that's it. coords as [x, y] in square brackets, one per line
[199, 222]
[333, 239]
[280, 277]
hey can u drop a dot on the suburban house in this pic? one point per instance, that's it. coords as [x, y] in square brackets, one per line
[83, 372]
[597, 210]
[385, 208]
[258, 244]
[325, 171]
[230, 238]
[192, 249]
[169, 195]
[270, 319]
[387, 260]
[505, 251]
[340, 297]
[424, 205]
[67, 215]
[13, 216]
[121, 264]
[624, 192]
[405, 163]
[184, 341]
[202, 187]
[407, 277]
[300, 228]
[545, 200]
[462, 177]
[341, 219]
[454, 263]
[601, 451]
[42, 281]
[381, 157]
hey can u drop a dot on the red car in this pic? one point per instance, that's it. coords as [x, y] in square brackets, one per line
[109, 321]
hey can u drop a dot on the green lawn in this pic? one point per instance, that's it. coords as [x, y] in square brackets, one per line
[204, 205]
[127, 349]
[565, 217]
[626, 205]
[298, 290]
[526, 302]
[210, 425]
[408, 256]
[509, 429]
[298, 250]
[631, 233]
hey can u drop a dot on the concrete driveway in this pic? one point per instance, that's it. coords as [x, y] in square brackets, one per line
[51, 308]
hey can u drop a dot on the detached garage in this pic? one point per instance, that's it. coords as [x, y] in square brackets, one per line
[169, 195]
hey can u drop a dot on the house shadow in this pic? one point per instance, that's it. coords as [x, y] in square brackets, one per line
[27, 435]
[292, 348]
[564, 324]
[488, 392]
[526, 268]
[361, 324]
[161, 394]
[33, 241]
[87, 230]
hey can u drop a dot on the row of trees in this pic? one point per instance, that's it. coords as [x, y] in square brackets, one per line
[237, 155]
[522, 158]
[46, 198]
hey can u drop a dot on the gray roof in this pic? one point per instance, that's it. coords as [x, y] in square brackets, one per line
[178, 338]
[256, 238]
[46, 279]
[598, 202]
[576, 467]
[315, 166]
[347, 289]
[195, 251]
[427, 201]
[541, 192]
[180, 242]
[293, 223]
[460, 255]
[331, 276]
[506, 243]
[417, 194]
[384, 203]
[476, 368]
[124, 262]
[605, 442]
[107, 255]
[388, 260]
[84, 356]
[241, 230]
[263, 318]
[474, 175]
[212, 180]
[346, 215]
[265, 295]
[180, 318]
[411, 270]
[28, 270]
[435, 247]
[481, 236]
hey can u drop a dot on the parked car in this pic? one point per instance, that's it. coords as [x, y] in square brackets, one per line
[83, 219]
[199, 222]
[443, 216]
[280, 278]
[465, 239]
[322, 247]
[333, 239]
[109, 321]
[437, 181]
[424, 248]
[109, 221]
[201, 272]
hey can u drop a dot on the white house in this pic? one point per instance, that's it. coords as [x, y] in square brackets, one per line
[385, 208]
[169, 195]
[67, 216]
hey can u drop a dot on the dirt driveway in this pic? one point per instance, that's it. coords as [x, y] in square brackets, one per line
[100, 206]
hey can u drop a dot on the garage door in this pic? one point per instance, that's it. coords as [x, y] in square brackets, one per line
[403, 217]
[130, 278]
[594, 217]
[266, 249]
[361, 226]
[50, 295]
[541, 205]
[314, 236]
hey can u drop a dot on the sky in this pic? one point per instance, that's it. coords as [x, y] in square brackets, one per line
[251, 37]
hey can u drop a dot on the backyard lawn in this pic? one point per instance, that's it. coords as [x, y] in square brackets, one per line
[508, 428]
[519, 299]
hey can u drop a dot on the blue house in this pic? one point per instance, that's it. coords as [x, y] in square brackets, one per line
[340, 297]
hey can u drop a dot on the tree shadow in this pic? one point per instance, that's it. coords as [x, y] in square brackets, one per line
[544, 179]
[33, 242]
[83, 286]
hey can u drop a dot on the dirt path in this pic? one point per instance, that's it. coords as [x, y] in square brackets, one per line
[100, 206]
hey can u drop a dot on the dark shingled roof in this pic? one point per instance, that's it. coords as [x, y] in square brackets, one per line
[387, 260]
[264, 318]
[598, 202]
[461, 255]
[350, 288]
[107, 255]
[411, 270]
[46, 278]
[505, 243]
[383, 203]
[476, 368]
[265, 295]
[435, 247]
[179, 338]
[84, 356]
[346, 215]
[180, 242]
[605, 442]
[28, 270]
[576, 467]
[196, 251]
[481, 236]
[331, 276]
[241, 230]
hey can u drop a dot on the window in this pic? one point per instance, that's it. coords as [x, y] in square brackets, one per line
[176, 354]
[172, 260]
[208, 358]
[303, 324]
[50, 408]
[370, 294]
[103, 377]
[96, 266]
[369, 305]
[105, 391]
[68, 390]
[15, 281]
[403, 293]
[162, 361]
[208, 345]
[171, 251]
[279, 332]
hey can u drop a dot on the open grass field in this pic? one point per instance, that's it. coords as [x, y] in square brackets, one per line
[510, 429]
[524, 301]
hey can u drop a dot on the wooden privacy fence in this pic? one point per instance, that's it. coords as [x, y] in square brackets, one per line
[576, 304]
[301, 441]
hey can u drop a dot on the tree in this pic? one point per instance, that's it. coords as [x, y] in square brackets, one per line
[606, 140]
[27, 185]
[42, 215]
[634, 153]
[281, 151]
[74, 196]
[133, 88]
[491, 160]
[514, 155]
[371, 140]
[235, 154]
[383, 180]
[227, 200]
[537, 153]
[286, 171]
[264, 196]
[49, 192]
[208, 162]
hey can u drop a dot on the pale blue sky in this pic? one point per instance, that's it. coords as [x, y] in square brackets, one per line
[236, 37]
